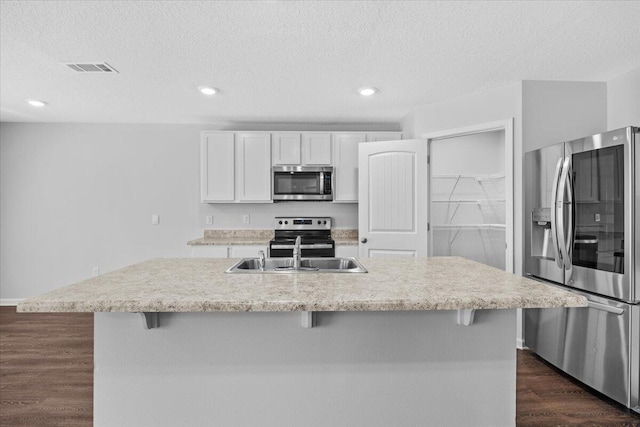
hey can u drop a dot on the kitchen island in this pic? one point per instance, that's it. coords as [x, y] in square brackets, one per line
[389, 347]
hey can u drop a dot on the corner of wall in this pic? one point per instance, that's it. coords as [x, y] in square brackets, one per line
[623, 100]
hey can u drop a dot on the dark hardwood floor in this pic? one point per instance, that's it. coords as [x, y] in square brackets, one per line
[547, 397]
[46, 379]
[46, 369]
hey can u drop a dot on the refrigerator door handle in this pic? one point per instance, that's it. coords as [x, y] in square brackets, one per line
[554, 213]
[604, 307]
[564, 241]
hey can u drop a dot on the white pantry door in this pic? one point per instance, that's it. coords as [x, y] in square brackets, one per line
[392, 209]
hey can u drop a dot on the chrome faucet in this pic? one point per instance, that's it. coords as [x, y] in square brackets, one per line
[296, 254]
[261, 260]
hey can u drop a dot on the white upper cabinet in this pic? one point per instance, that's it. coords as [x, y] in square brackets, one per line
[310, 148]
[345, 163]
[253, 167]
[235, 167]
[217, 167]
[384, 136]
[286, 148]
[316, 148]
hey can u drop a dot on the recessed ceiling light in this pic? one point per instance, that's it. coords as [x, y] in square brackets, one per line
[367, 91]
[36, 103]
[207, 90]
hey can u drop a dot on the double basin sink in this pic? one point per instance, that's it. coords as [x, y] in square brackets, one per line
[307, 265]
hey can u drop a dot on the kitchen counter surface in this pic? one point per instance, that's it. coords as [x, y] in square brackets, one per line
[201, 285]
[262, 237]
[233, 237]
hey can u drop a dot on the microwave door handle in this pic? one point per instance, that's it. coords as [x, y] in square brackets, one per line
[554, 214]
[321, 183]
[564, 241]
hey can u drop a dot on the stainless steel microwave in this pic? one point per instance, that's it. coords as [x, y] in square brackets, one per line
[302, 183]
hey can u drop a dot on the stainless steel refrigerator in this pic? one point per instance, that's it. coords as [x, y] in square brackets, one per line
[582, 228]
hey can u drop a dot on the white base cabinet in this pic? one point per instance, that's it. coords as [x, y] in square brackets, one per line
[230, 251]
[345, 251]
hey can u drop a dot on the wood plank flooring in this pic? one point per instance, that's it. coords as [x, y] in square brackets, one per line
[46, 369]
[545, 396]
[46, 379]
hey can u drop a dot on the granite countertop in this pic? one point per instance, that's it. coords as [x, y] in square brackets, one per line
[261, 237]
[233, 237]
[200, 285]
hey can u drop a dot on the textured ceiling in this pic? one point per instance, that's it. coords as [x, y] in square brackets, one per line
[295, 61]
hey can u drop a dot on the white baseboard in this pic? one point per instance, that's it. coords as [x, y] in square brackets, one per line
[520, 344]
[10, 301]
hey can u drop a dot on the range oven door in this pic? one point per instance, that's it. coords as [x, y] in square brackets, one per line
[314, 250]
[599, 231]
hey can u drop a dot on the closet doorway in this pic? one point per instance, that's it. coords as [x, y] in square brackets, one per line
[471, 194]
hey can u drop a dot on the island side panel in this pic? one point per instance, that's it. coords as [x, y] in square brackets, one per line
[263, 369]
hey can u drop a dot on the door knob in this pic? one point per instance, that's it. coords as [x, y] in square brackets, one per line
[363, 240]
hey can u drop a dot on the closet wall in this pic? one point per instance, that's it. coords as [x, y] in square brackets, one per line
[468, 199]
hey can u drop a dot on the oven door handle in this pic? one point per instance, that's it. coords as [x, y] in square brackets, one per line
[312, 246]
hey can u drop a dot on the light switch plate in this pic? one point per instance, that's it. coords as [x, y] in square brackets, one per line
[155, 219]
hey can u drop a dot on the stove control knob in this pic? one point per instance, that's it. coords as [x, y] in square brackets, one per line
[280, 222]
[325, 222]
[319, 222]
[286, 222]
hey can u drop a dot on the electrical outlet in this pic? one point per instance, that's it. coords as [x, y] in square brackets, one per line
[96, 271]
[209, 220]
[246, 219]
[597, 218]
[155, 219]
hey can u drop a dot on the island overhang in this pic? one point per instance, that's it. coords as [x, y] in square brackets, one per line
[392, 284]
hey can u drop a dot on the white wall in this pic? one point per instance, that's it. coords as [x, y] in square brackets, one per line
[75, 196]
[491, 105]
[553, 112]
[623, 101]
[484, 154]
[544, 113]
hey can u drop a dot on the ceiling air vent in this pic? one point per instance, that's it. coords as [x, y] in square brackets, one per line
[91, 67]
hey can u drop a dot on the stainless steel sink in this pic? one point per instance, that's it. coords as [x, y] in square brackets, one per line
[307, 265]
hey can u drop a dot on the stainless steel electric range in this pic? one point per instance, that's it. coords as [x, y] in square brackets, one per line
[315, 234]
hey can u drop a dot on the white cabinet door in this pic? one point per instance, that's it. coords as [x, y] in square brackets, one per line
[286, 148]
[384, 136]
[392, 213]
[217, 167]
[316, 148]
[343, 251]
[253, 167]
[209, 251]
[345, 163]
[246, 251]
